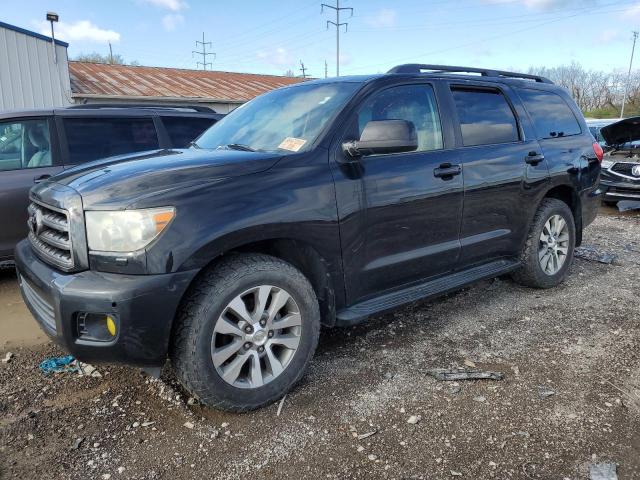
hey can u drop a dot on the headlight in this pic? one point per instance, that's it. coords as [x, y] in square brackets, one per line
[126, 230]
[607, 164]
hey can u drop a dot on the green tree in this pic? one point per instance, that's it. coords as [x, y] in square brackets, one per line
[96, 57]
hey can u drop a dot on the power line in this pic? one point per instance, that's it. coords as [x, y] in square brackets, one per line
[204, 53]
[626, 85]
[337, 24]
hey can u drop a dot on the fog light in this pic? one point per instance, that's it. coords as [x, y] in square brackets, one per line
[97, 327]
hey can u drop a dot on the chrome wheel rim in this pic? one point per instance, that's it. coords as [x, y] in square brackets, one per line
[256, 336]
[554, 245]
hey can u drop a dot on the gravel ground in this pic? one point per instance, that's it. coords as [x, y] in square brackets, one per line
[570, 396]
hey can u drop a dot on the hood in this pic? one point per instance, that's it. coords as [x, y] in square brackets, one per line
[123, 179]
[627, 130]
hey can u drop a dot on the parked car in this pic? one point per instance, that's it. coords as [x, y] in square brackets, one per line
[621, 165]
[36, 144]
[595, 125]
[321, 203]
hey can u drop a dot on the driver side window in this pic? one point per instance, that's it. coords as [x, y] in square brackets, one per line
[413, 103]
[25, 144]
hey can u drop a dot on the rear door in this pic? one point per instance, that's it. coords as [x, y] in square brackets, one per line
[399, 220]
[504, 170]
[28, 154]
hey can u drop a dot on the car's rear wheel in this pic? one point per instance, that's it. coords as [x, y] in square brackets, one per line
[246, 332]
[548, 251]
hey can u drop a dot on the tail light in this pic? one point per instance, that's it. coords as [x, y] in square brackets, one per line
[597, 149]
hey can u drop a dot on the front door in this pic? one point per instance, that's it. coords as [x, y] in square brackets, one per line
[399, 216]
[26, 157]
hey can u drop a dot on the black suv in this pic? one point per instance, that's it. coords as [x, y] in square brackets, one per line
[36, 144]
[317, 204]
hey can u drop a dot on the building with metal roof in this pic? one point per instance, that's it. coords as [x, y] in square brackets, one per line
[32, 73]
[121, 84]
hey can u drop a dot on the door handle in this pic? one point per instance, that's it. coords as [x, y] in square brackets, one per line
[446, 171]
[534, 158]
[41, 178]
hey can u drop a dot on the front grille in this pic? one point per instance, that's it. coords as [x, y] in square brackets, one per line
[623, 168]
[41, 306]
[49, 235]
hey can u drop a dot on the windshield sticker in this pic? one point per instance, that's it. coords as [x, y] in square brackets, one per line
[292, 144]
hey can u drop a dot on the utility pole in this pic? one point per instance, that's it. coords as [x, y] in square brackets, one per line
[337, 24]
[303, 70]
[110, 54]
[326, 69]
[204, 53]
[53, 18]
[626, 87]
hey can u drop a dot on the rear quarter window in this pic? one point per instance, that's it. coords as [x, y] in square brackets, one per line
[550, 114]
[184, 130]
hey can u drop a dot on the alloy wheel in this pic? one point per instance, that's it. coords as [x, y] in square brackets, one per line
[256, 336]
[554, 245]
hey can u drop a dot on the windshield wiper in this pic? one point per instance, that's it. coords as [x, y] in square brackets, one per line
[239, 146]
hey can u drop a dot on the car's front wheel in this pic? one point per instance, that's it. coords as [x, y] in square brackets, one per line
[548, 251]
[246, 332]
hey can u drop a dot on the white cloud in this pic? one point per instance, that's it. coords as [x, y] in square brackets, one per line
[633, 11]
[278, 57]
[537, 4]
[384, 17]
[172, 21]
[82, 30]
[173, 5]
[608, 35]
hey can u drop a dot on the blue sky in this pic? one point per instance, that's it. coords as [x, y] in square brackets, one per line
[273, 36]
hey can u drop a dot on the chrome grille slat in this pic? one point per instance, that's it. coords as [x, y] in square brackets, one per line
[49, 235]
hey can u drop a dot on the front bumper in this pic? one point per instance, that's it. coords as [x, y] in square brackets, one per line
[144, 304]
[618, 187]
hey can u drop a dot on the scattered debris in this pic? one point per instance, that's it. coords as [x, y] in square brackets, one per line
[59, 365]
[88, 370]
[545, 392]
[455, 389]
[189, 425]
[469, 363]
[360, 449]
[455, 375]
[455, 474]
[480, 399]
[7, 358]
[280, 406]
[603, 471]
[366, 435]
[147, 424]
[76, 443]
[413, 419]
[626, 205]
[372, 457]
[591, 253]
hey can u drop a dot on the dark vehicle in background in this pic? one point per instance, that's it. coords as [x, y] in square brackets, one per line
[320, 203]
[36, 144]
[621, 164]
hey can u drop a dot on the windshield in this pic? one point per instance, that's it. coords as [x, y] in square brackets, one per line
[287, 120]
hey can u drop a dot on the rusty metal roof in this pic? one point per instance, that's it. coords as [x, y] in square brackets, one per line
[96, 79]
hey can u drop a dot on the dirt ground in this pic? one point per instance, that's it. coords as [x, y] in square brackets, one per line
[570, 396]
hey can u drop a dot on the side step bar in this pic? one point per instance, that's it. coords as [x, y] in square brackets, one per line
[360, 311]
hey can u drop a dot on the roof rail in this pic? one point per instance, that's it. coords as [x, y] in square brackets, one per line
[195, 108]
[485, 72]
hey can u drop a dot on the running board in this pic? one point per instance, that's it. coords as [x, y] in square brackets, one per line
[360, 311]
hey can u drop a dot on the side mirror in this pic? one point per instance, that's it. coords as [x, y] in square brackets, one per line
[384, 136]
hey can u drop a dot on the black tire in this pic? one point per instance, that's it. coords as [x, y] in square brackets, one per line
[191, 346]
[611, 203]
[531, 273]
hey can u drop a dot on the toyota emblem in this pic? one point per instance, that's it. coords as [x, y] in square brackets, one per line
[636, 171]
[35, 222]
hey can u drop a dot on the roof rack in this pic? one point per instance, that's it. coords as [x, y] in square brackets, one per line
[485, 72]
[195, 108]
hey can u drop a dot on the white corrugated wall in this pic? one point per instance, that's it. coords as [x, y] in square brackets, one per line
[28, 76]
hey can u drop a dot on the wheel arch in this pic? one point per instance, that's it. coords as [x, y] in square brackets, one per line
[568, 194]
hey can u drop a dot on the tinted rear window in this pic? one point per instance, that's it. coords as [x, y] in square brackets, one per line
[485, 117]
[551, 116]
[184, 130]
[94, 138]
